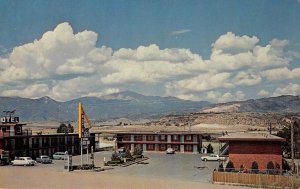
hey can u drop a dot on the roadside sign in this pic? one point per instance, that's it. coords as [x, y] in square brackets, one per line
[86, 132]
[85, 142]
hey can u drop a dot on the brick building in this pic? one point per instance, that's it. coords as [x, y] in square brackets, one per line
[246, 148]
[21, 142]
[190, 142]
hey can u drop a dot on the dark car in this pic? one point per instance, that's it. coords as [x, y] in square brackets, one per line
[44, 159]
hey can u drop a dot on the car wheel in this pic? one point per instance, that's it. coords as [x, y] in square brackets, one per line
[204, 159]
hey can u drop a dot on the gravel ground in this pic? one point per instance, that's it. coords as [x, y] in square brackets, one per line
[163, 171]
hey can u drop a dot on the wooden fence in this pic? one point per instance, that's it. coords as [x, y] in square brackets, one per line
[254, 179]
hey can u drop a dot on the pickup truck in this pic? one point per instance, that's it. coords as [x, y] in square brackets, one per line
[44, 159]
[212, 157]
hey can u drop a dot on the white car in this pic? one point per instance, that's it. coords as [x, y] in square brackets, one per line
[60, 155]
[170, 151]
[212, 157]
[26, 161]
[43, 159]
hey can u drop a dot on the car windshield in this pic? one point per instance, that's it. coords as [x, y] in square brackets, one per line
[29, 158]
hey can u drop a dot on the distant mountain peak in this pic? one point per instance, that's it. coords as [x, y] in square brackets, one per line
[123, 95]
[46, 99]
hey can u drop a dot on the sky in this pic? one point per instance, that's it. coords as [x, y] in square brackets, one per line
[216, 51]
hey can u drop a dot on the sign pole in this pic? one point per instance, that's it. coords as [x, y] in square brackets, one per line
[81, 152]
[87, 154]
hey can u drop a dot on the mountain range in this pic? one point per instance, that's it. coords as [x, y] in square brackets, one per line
[132, 105]
[280, 104]
[124, 104]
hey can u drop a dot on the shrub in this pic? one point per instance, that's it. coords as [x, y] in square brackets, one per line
[115, 157]
[127, 154]
[209, 148]
[285, 165]
[221, 168]
[254, 167]
[137, 151]
[277, 168]
[242, 168]
[229, 166]
[270, 167]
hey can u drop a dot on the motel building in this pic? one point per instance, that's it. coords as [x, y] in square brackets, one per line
[21, 142]
[183, 142]
[244, 148]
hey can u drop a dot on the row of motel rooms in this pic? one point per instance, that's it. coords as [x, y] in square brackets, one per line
[161, 141]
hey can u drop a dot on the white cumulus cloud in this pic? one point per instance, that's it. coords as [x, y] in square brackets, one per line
[233, 43]
[290, 89]
[64, 65]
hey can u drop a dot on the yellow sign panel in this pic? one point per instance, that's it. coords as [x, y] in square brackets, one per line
[81, 116]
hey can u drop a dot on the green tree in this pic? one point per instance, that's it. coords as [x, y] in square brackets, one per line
[285, 165]
[229, 166]
[70, 128]
[62, 128]
[270, 167]
[254, 167]
[209, 148]
[286, 134]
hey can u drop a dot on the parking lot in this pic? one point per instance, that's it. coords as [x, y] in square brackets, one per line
[171, 166]
[162, 171]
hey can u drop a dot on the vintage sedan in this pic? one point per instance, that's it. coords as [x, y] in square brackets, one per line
[43, 159]
[60, 155]
[212, 157]
[25, 161]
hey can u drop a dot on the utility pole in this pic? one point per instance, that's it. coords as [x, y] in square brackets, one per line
[291, 122]
[270, 128]
[292, 145]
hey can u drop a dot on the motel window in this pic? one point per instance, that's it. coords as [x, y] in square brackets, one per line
[150, 137]
[138, 138]
[188, 137]
[175, 137]
[150, 146]
[138, 146]
[176, 147]
[162, 147]
[162, 138]
[126, 138]
[188, 148]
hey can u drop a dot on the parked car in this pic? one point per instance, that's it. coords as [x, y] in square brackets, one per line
[170, 151]
[60, 155]
[43, 159]
[26, 161]
[212, 157]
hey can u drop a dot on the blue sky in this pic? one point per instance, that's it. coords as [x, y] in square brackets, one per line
[197, 50]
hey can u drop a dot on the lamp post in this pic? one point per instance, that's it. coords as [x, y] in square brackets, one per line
[291, 122]
[292, 145]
